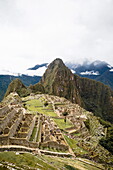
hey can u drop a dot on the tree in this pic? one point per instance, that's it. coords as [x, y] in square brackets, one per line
[45, 103]
[65, 113]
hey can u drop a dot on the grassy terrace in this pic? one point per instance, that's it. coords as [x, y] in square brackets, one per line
[61, 124]
[73, 144]
[38, 106]
[29, 161]
[33, 134]
[24, 161]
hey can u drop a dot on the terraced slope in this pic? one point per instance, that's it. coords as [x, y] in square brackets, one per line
[20, 161]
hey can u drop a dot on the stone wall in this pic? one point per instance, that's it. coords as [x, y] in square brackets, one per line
[31, 128]
[51, 136]
[55, 145]
[15, 125]
[23, 142]
[7, 119]
[4, 139]
[4, 110]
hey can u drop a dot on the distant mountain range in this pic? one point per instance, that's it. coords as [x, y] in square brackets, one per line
[97, 70]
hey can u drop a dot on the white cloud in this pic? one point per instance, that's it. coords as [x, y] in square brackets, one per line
[90, 73]
[33, 32]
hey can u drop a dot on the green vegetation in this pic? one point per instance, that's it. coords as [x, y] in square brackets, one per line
[39, 132]
[76, 149]
[24, 161]
[37, 105]
[5, 80]
[61, 124]
[107, 141]
[17, 86]
[74, 164]
[37, 88]
[45, 103]
[97, 98]
[33, 134]
[65, 113]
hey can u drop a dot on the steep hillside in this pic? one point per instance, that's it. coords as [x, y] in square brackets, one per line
[97, 70]
[17, 86]
[5, 80]
[92, 95]
[59, 80]
[97, 97]
[37, 88]
[106, 78]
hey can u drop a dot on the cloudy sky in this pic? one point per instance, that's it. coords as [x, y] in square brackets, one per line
[38, 31]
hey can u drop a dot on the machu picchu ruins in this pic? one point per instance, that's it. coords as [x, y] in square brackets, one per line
[17, 127]
[29, 125]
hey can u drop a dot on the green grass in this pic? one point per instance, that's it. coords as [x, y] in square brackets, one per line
[73, 144]
[37, 106]
[59, 104]
[71, 164]
[24, 160]
[33, 134]
[76, 134]
[61, 124]
[39, 132]
[44, 162]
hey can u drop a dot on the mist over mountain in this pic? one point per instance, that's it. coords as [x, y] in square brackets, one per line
[97, 70]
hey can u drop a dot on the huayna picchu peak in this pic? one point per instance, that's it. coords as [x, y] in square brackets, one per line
[59, 80]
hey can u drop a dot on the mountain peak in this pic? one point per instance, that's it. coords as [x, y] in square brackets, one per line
[16, 86]
[57, 62]
[57, 79]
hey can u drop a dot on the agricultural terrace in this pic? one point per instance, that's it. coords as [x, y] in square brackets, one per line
[37, 105]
